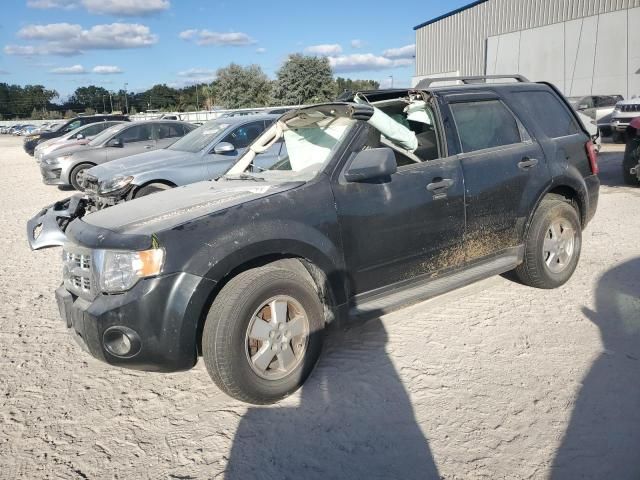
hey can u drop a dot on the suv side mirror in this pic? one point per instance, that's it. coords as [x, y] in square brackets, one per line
[79, 136]
[224, 147]
[372, 164]
[115, 142]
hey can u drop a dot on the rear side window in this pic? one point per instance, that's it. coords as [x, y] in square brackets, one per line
[552, 117]
[485, 124]
[168, 130]
[139, 133]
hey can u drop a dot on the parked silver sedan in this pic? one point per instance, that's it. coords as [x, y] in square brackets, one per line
[67, 166]
[205, 153]
[80, 136]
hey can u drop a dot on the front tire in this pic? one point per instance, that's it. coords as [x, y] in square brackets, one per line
[263, 334]
[76, 173]
[150, 189]
[552, 246]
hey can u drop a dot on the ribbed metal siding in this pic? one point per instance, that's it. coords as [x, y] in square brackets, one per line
[458, 43]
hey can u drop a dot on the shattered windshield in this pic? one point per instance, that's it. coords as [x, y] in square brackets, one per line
[199, 138]
[300, 148]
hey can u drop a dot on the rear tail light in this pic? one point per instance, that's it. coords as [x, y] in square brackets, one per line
[593, 157]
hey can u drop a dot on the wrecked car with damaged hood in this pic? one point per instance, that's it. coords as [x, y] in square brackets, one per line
[385, 199]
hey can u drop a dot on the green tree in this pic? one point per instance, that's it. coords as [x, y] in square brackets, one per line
[304, 79]
[349, 85]
[242, 87]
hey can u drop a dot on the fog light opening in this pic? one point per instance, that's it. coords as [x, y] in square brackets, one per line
[121, 342]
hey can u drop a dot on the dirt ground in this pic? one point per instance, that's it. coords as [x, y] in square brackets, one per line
[495, 381]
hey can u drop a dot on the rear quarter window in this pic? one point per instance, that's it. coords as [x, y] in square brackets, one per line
[549, 113]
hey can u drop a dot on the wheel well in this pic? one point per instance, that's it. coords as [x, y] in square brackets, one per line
[146, 184]
[570, 195]
[300, 264]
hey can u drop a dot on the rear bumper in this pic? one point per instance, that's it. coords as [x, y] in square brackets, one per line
[160, 315]
[593, 192]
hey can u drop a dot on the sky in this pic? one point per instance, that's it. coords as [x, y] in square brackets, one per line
[64, 44]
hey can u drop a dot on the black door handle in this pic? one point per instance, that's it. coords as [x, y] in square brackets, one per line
[527, 163]
[440, 184]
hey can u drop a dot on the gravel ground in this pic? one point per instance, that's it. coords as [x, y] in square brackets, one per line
[493, 381]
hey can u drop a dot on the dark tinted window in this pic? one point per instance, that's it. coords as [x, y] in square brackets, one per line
[139, 133]
[95, 128]
[551, 115]
[168, 130]
[73, 125]
[242, 137]
[485, 124]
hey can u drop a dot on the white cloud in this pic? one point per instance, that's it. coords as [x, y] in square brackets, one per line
[72, 39]
[126, 8]
[65, 4]
[106, 69]
[120, 8]
[357, 43]
[261, 50]
[325, 49]
[207, 37]
[197, 72]
[361, 62]
[73, 70]
[408, 51]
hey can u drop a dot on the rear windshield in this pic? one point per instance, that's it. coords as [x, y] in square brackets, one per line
[199, 138]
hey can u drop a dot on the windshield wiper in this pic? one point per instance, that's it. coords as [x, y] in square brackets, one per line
[244, 176]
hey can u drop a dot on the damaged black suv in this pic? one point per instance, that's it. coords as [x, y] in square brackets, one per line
[381, 200]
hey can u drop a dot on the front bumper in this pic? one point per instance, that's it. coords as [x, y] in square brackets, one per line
[30, 146]
[620, 124]
[46, 228]
[161, 315]
[51, 174]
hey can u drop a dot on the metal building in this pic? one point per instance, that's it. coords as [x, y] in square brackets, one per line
[585, 47]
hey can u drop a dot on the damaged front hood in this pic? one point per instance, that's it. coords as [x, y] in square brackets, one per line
[171, 208]
[143, 162]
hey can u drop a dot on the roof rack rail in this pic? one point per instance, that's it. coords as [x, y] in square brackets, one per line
[427, 82]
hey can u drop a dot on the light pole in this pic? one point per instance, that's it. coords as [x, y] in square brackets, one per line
[111, 102]
[126, 98]
[104, 105]
[391, 77]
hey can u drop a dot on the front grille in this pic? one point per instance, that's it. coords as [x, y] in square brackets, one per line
[77, 271]
[630, 108]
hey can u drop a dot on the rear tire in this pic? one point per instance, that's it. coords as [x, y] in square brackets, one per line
[263, 334]
[75, 173]
[552, 246]
[631, 159]
[618, 137]
[151, 188]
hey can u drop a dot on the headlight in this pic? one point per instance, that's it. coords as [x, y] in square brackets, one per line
[116, 183]
[56, 160]
[121, 270]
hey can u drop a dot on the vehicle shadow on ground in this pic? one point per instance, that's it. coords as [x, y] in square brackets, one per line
[603, 437]
[354, 420]
[610, 164]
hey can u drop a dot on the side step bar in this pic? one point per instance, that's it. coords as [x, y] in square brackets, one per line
[418, 291]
